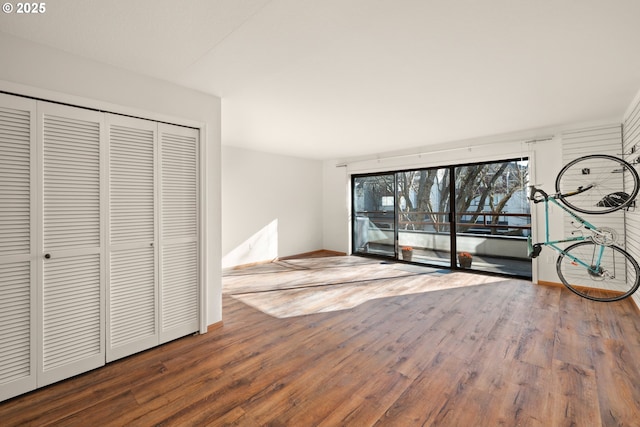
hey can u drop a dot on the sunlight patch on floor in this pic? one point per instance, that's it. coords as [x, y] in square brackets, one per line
[283, 303]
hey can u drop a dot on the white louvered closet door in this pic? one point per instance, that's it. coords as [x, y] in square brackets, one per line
[132, 287]
[179, 230]
[17, 246]
[72, 295]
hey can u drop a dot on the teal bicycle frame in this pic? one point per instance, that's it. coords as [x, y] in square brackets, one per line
[533, 252]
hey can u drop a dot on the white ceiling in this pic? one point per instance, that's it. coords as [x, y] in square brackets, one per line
[341, 78]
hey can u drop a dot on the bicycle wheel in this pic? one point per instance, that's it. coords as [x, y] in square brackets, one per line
[603, 184]
[617, 276]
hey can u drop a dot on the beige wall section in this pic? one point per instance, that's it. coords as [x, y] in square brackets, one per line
[272, 206]
[36, 70]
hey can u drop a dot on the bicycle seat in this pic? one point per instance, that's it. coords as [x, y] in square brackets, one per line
[612, 200]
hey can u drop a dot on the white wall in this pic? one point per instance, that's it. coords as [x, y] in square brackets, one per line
[35, 70]
[547, 162]
[272, 206]
[336, 207]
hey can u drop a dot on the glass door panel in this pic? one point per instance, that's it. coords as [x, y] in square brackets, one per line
[493, 217]
[424, 229]
[374, 227]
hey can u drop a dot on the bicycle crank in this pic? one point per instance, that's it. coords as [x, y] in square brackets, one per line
[604, 236]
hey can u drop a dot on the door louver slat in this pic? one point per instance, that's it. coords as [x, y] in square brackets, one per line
[15, 182]
[15, 322]
[132, 184]
[71, 310]
[133, 301]
[179, 186]
[72, 183]
[180, 285]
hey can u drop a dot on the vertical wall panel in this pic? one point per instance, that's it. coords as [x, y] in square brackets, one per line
[601, 140]
[578, 143]
[631, 139]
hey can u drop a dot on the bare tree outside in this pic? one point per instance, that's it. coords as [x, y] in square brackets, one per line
[482, 191]
[485, 190]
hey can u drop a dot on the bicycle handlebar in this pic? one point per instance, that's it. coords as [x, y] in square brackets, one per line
[534, 192]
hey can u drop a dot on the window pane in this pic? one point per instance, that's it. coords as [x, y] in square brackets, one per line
[374, 212]
[423, 216]
[493, 216]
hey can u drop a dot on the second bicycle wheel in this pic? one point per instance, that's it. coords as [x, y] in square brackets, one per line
[603, 184]
[612, 274]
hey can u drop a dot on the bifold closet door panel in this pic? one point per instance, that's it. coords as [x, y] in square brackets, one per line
[17, 246]
[179, 231]
[71, 256]
[132, 286]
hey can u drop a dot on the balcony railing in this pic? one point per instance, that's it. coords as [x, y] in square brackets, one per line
[497, 241]
[492, 223]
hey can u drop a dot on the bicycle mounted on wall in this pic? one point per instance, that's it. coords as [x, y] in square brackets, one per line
[594, 267]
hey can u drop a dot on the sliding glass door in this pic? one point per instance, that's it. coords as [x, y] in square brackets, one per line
[473, 216]
[423, 218]
[493, 217]
[374, 225]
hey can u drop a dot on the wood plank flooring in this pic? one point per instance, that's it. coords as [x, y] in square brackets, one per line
[354, 342]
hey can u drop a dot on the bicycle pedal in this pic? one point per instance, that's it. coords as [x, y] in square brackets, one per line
[535, 251]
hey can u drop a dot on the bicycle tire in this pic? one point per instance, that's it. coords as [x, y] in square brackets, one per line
[599, 286]
[605, 176]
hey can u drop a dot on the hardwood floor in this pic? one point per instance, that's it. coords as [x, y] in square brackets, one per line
[372, 344]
